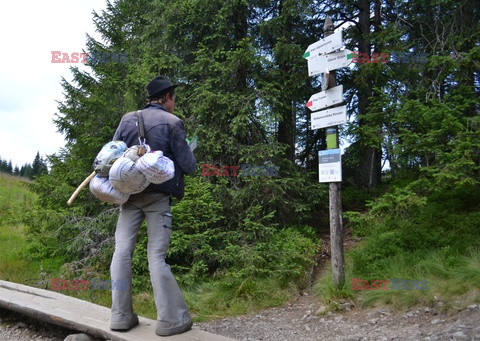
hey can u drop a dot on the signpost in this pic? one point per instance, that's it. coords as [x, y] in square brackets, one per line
[324, 99]
[331, 61]
[321, 58]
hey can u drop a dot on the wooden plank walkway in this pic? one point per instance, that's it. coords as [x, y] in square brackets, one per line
[83, 316]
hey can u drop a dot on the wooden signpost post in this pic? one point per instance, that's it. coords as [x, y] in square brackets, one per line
[322, 57]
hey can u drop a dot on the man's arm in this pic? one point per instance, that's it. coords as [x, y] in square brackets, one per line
[181, 150]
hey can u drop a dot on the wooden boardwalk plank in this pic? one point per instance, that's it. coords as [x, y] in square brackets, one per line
[83, 316]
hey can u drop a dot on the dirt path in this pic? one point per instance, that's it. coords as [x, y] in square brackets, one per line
[298, 321]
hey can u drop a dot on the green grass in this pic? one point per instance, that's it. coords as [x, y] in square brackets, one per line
[13, 266]
[16, 198]
[207, 301]
[223, 298]
[430, 242]
[456, 286]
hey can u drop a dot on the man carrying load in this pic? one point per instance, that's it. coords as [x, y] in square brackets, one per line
[163, 132]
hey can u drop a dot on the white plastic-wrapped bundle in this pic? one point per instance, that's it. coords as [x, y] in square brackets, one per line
[132, 152]
[103, 190]
[126, 177]
[156, 167]
[107, 156]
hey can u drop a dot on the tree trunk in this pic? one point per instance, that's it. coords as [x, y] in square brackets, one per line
[369, 170]
[287, 123]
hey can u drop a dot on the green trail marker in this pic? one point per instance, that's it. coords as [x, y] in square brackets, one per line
[326, 45]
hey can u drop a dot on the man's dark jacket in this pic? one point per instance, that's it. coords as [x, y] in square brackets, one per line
[166, 132]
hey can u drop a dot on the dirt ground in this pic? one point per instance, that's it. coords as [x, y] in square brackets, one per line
[299, 320]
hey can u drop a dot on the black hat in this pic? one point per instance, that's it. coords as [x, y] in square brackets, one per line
[159, 85]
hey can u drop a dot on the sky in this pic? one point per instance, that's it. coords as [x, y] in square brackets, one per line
[29, 82]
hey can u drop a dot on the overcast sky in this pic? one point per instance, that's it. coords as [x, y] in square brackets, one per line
[29, 82]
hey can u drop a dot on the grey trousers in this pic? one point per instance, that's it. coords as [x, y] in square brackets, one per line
[172, 310]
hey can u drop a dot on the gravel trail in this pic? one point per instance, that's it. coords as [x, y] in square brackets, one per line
[299, 320]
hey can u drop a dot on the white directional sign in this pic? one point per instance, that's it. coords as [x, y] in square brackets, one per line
[332, 61]
[326, 98]
[326, 45]
[330, 165]
[329, 117]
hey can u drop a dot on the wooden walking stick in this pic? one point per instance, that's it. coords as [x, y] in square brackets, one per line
[79, 188]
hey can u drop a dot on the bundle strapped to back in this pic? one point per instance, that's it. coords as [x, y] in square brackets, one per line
[133, 171]
[156, 167]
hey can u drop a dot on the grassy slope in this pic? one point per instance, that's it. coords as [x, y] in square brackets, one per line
[15, 265]
[437, 242]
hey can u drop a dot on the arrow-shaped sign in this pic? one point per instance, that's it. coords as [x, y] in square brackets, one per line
[326, 45]
[332, 61]
[329, 117]
[326, 98]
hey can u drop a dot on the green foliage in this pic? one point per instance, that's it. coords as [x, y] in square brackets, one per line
[451, 279]
[256, 276]
[197, 234]
[423, 230]
[416, 229]
[81, 241]
[331, 294]
[202, 244]
[6, 166]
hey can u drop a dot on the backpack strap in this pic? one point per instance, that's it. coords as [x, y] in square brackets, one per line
[141, 133]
